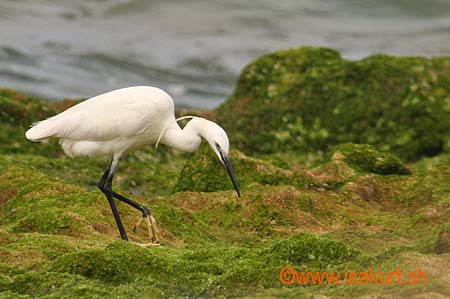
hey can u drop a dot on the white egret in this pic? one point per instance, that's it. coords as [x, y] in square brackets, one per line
[121, 121]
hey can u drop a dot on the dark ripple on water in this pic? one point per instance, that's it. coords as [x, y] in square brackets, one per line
[194, 49]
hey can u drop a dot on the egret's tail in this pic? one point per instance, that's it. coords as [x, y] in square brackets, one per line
[40, 131]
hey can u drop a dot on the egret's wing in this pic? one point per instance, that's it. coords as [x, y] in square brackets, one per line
[119, 114]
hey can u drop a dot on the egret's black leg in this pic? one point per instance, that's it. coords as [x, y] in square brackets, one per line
[146, 214]
[105, 185]
[101, 183]
[145, 211]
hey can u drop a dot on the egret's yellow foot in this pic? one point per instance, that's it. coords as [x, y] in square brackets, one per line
[153, 230]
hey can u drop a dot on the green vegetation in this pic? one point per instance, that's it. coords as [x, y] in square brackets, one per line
[204, 173]
[308, 99]
[443, 239]
[366, 158]
[17, 113]
[324, 188]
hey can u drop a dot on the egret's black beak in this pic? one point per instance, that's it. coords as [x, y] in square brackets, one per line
[227, 163]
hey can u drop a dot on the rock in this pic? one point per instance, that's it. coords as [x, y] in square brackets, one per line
[443, 240]
[204, 173]
[366, 158]
[308, 99]
[17, 113]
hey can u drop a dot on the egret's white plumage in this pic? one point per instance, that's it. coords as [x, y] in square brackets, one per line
[121, 121]
[110, 123]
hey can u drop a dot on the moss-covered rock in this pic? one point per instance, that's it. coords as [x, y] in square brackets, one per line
[204, 173]
[20, 109]
[215, 267]
[17, 113]
[309, 249]
[58, 238]
[443, 239]
[308, 99]
[119, 262]
[366, 158]
[33, 284]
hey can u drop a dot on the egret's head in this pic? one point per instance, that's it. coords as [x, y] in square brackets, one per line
[218, 140]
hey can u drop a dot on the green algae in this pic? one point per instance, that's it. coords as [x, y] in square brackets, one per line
[41, 205]
[18, 112]
[213, 261]
[308, 99]
[119, 262]
[308, 200]
[19, 109]
[442, 244]
[207, 265]
[122, 262]
[204, 173]
[305, 249]
[364, 157]
[64, 285]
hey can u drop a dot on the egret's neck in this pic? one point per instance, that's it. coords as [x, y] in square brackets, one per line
[186, 140]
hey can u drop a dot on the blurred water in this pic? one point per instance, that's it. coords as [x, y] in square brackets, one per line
[194, 49]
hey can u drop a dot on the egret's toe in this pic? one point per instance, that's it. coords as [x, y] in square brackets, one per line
[138, 223]
[152, 227]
